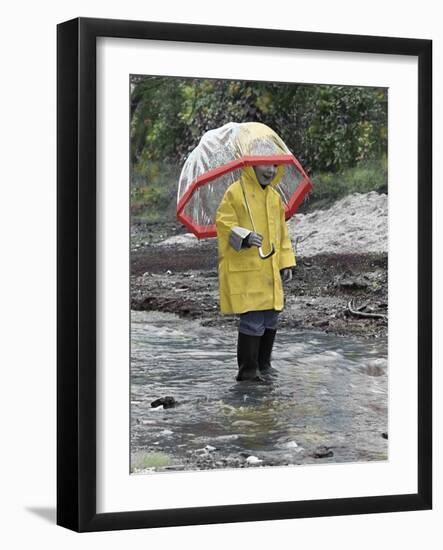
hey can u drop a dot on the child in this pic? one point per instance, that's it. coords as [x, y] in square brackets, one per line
[251, 215]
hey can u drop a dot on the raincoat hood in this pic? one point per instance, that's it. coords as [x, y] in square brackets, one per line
[248, 174]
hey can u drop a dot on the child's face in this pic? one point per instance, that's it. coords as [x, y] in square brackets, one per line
[265, 173]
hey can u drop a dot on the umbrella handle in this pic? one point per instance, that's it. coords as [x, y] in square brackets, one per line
[263, 256]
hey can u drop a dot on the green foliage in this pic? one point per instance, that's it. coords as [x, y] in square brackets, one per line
[329, 187]
[327, 127]
[142, 460]
[156, 126]
[346, 126]
[154, 191]
[331, 129]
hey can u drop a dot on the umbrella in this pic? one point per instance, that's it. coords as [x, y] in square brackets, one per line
[217, 162]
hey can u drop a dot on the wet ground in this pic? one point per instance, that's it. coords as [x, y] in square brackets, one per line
[326, 401]
[338, 293]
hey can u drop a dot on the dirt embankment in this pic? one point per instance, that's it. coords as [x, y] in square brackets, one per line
[340, 283]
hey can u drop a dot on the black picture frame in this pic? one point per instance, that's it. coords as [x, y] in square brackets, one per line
[76, 279]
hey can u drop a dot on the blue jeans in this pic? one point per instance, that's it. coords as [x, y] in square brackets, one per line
[254, 323]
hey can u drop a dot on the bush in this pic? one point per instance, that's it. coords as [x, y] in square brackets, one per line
[329, 187]
[154, 192]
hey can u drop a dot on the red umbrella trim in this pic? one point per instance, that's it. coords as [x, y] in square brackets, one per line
[202, 231]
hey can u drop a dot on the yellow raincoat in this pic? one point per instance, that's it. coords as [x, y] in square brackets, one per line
[247, 282]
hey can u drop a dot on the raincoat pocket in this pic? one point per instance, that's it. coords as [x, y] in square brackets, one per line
[244, 264]
[244, 276]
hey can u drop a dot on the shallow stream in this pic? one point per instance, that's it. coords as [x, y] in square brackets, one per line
[326, 403]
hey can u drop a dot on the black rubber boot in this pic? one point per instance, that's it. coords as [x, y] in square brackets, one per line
[247, 358]
[265, 351]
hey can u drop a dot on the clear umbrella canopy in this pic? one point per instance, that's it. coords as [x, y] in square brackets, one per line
[217, 162]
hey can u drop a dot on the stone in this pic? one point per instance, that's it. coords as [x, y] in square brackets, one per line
[354, 284]
[253, 460]
[323, 452]
[168, 402]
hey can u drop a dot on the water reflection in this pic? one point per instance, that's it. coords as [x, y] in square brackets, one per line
[328, 390]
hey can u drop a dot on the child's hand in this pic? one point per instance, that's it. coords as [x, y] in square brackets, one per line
[286, 275]
[254, 239]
